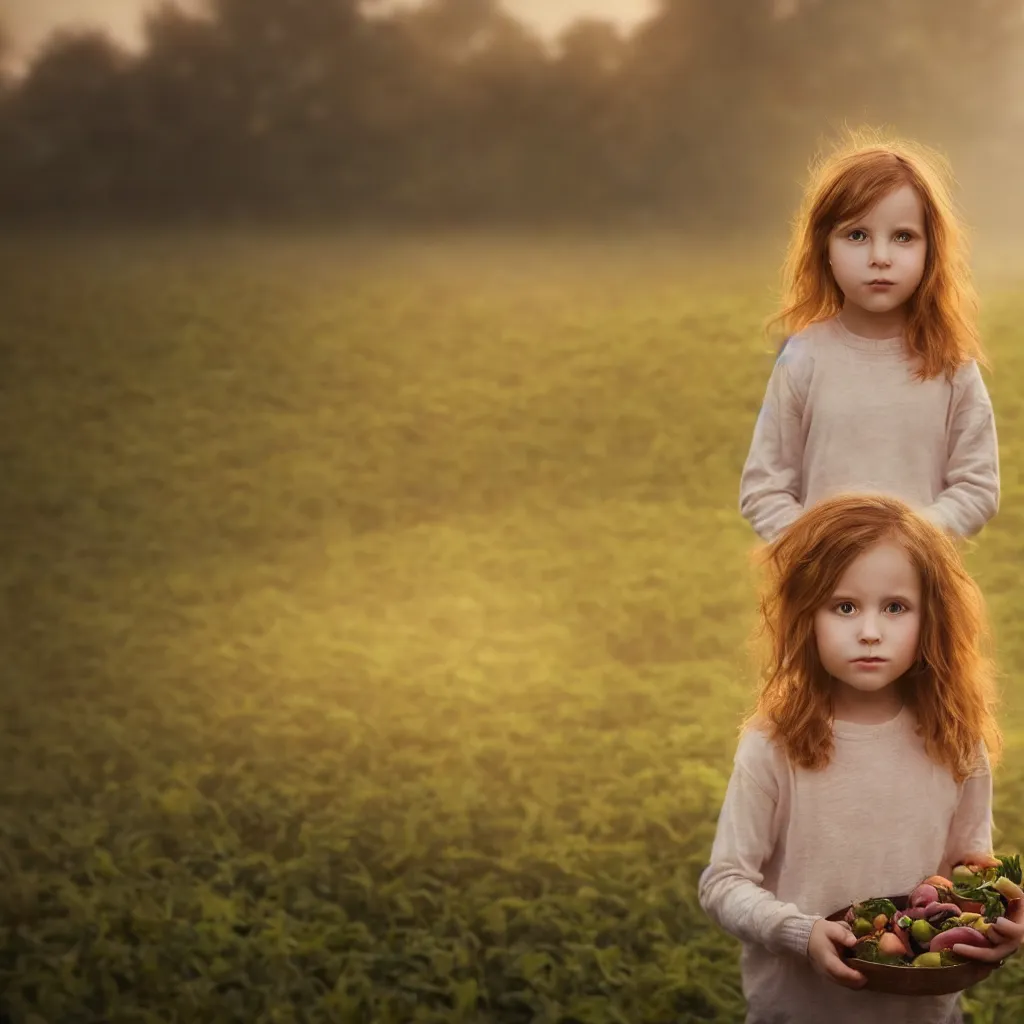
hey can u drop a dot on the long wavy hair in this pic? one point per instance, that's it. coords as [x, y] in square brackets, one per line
[951, 686]
[941, 324]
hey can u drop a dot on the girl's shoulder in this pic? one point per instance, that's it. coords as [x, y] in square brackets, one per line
[791, 361]
[760, 756]
[981, 766]
[968, 376]
[797, 352]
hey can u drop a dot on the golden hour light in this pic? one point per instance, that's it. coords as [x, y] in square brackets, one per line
[511, 511]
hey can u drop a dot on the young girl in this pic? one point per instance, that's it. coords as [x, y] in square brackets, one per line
[865, 766]
[878, 388]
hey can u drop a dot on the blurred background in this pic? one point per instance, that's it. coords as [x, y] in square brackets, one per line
[375, 381]
[684, 111]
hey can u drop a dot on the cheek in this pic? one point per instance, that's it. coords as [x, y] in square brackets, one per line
[911, 640]
[842, 269]
[825, 639]
[915, 264]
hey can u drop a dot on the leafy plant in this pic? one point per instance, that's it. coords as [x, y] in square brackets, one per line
[1009, 866]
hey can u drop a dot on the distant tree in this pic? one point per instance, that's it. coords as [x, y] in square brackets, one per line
[484, 142]
[8, 137]
[182, 151]
[295, 74]
[512, 151]
[453, 109]
[586, 77]
[590, 51]
[454, 29]
[68, 119]
[691, 96]
[6, 52]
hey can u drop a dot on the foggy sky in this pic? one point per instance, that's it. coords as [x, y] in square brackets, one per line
[30, 21]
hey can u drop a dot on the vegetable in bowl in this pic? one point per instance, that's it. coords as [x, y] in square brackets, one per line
[905, 943]
[990, 890]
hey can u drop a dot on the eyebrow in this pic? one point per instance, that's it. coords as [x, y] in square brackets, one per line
[854, 225]
[838, 597]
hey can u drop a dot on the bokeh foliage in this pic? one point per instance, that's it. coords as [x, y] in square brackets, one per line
[374, 618]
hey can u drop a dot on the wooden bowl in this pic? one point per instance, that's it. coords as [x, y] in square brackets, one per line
[915, 981]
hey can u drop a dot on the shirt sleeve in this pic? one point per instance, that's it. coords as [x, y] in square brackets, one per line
[730, 889]
[970, 495]
[971, 828]
[770, 484]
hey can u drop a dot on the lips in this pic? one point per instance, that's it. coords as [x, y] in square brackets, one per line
[881, 280]
[868, 661]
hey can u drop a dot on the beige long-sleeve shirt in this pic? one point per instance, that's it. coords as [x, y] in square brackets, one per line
[845, 413]
[793, 845]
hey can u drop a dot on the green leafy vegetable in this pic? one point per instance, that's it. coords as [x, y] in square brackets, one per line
[1009, 867]
[992, 902]
[872, 908]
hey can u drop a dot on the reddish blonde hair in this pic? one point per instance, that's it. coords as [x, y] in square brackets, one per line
[941, 327]
[951, 687]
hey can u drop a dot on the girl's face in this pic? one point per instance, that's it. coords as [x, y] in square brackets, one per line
[878, 259]
[868, 632]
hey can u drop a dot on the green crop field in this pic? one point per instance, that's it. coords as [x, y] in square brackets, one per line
[375, 620]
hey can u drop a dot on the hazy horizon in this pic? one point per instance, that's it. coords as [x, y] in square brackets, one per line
[30, 22]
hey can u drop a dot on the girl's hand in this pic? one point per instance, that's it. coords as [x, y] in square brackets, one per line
[975, 859]
[1006, 936]
[824, 949]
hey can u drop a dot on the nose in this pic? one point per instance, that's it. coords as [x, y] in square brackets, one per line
[880, 254]
[869, 633]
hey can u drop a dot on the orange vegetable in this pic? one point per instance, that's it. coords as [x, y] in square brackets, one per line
[891, 945]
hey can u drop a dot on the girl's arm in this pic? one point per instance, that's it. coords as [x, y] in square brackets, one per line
[971, 828]
[770, 482]
[970, 497]
[730, 888]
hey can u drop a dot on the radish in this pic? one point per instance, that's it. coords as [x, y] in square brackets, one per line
[955, 936]
[923, 895]
[936, 913]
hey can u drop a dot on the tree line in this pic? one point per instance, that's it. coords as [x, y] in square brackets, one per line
[455, 111]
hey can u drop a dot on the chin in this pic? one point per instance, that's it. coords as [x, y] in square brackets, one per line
[883, 303]
[867, 685]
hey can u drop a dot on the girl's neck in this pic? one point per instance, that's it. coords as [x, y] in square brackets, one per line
[877, 326]
[850, 705]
